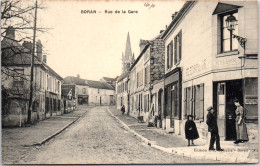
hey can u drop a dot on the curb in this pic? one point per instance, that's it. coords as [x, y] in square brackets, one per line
[176, 152]
[58, 132]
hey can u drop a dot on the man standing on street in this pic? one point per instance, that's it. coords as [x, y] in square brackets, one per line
[213, 128]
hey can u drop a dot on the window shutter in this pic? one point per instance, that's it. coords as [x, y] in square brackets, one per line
[201, 93]
[168, 57]
[185, 101]
[192, 100]
[171, 54]
[180, 44]
[175, 50]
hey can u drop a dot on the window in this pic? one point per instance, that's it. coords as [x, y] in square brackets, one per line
[59, 86]
[194, 101]
[18, 78]
[41, 79]
[177, 47]
[140, 78]
[84, 90]
[147, 75]
[125, 86]
[169, 55]
[227, 42]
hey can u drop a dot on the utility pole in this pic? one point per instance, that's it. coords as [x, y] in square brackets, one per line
[32, 68]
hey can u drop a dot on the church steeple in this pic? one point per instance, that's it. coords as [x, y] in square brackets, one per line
[127, 58]
[128, 50]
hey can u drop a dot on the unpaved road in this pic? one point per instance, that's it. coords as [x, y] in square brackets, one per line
[98, 138]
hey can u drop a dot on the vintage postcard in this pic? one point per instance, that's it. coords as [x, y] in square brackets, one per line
[129, 82]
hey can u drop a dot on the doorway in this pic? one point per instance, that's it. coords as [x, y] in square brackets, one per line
[223, 96]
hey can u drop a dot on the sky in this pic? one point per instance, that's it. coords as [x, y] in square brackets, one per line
[91, 45]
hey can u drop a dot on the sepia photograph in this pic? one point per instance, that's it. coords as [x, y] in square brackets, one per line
[129, 82]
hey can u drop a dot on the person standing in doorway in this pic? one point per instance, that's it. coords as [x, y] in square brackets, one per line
[213, 129]
[123, 109]
[241, 129]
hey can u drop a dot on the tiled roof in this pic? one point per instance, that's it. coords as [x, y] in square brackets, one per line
[74, 80]
[109, 79]
[90, 83]
[98, 85]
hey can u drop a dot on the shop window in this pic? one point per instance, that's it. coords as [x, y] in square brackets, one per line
[177, 47]
[251, 98]
[194, 101]
[228, 43]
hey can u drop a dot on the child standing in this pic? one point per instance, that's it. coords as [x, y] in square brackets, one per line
[191, 131]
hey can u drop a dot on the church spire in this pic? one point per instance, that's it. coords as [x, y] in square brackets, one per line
[128, 50]
[127, 57]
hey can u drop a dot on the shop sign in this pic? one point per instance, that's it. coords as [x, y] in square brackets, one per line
[195, 69]
[226, 61]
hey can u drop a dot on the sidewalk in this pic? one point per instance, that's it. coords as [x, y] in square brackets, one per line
[172, 143]
[17, 142]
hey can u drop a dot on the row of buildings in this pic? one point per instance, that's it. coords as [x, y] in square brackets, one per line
[201, 59]
[52, 95]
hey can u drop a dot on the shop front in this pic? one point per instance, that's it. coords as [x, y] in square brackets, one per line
[224, 92]
[172, 111]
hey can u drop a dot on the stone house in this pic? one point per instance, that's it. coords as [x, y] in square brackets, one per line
[15, 76]
[145, 72]
[205, 66]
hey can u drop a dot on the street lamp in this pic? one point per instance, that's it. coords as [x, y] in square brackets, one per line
[231, 23]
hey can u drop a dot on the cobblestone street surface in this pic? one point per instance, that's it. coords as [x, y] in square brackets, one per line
[18, 142]
[98, 138]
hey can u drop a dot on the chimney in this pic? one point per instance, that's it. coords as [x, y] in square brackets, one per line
[10, 33]
[44, 59]
[174, 15]
[142, 44]
[28, 45]
[39, 50]
[78, 75]
[161, 31]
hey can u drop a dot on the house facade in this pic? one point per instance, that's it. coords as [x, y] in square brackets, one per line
[15, 76]
[122, 81]
[208, 66]
[145, 75]
[91, 92]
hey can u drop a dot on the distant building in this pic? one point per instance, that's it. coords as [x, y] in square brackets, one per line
[90, 92]
[15, 73]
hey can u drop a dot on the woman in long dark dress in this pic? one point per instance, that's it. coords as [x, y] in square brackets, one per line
[241, 129]
[191, 131]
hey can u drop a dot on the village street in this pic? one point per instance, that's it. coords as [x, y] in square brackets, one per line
[98, 138]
